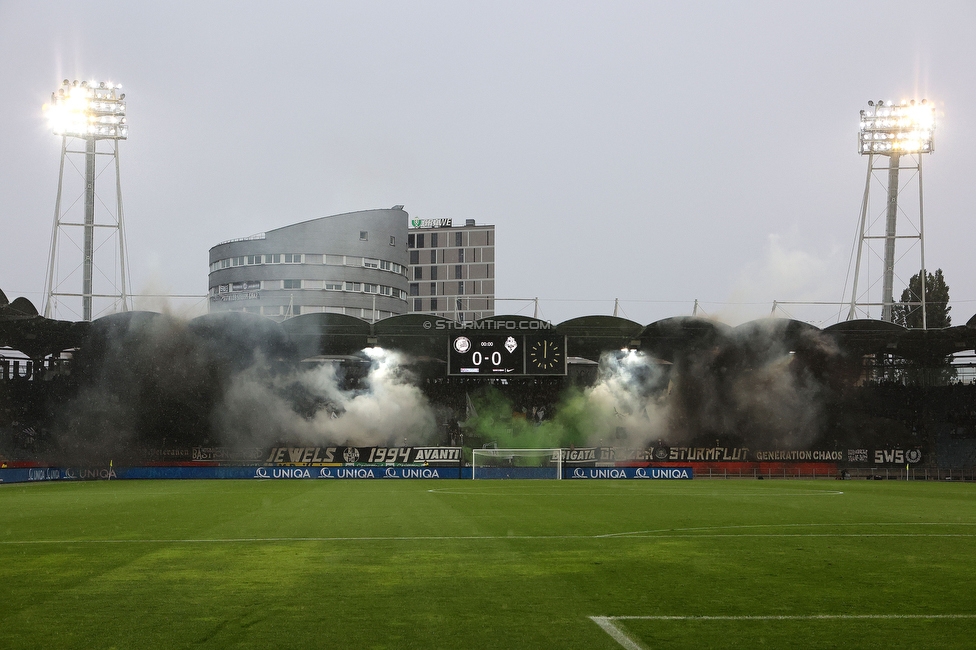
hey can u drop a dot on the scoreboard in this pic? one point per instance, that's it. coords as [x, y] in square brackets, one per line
[473, 353]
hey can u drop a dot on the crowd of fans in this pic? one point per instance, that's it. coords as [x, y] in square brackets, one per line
[870, 414]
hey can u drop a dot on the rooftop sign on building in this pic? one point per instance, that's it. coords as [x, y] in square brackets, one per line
[431, 223]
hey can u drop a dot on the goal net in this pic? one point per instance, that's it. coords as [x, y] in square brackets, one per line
[517, 463]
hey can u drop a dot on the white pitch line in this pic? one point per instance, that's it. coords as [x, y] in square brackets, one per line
[633, 493]
[638, 533]
[618, 635]
[609, 623]
[788, 617]
[461, 538]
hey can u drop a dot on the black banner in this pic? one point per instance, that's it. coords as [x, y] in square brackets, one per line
[363, 455]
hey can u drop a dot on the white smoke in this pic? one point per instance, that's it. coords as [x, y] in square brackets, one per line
[387, 409]
[627, 405]
[750, 387]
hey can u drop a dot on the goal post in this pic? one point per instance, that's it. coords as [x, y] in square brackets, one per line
[517, 463]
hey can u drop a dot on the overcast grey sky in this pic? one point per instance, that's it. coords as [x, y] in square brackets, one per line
[651, 152]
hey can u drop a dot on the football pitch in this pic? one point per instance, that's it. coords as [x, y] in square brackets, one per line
[487, 564]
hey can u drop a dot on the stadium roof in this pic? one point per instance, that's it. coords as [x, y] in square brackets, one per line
[425, 337]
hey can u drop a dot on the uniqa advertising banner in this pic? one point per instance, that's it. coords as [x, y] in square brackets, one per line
[354, 472]
[652, 473]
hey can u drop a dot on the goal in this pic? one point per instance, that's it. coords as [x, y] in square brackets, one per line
[517, 463]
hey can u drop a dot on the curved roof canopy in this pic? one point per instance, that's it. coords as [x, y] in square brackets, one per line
[327, 334]
[590, 336]
[419, 335]
[666, 338]
[22, 329]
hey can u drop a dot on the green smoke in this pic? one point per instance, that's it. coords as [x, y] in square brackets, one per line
[574, 422]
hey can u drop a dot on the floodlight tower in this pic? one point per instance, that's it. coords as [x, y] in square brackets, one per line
[92, 112]
[893, 132]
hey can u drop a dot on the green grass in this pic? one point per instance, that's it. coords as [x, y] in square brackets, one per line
[484, 564]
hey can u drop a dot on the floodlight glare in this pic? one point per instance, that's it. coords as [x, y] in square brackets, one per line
[901, 132]
[894, 129]
[92, 110]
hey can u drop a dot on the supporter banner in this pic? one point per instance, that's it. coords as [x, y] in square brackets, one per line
[610, 456]
[583, 455]
[363, 455]
[653, 473]
[169, 455]
[866, 457]
[245, 454]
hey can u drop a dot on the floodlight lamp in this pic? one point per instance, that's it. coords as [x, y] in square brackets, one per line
[893, 129]
[90, 110]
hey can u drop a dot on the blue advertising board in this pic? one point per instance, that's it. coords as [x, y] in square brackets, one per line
[23, 475]
[648, 473]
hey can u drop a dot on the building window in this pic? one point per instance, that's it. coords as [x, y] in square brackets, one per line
[414, 289]
[224, 264]
[433, 240]
[385, 290]
[420, 240]
[460, 287]
[433, 288]
[353, 286]
[415, 257]
[418, 273]
[371, 288]
[371, 264]
[292, 284]
[293, 258]
[392, 240]
[433, 304]
[363, 235]
[459, 239]
[410, 241]
[460, 255]
[458, 271]
[418, 304]
[433, 273]
[333, 286]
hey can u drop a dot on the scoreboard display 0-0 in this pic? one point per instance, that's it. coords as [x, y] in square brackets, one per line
[495, 355]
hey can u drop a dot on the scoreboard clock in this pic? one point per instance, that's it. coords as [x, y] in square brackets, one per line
[473, 353]
[545, 355]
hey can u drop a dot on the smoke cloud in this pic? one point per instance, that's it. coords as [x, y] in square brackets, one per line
[388, 408]
[149, 380]
[761, 386]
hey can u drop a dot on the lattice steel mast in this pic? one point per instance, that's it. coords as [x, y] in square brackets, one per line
[93, 112]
